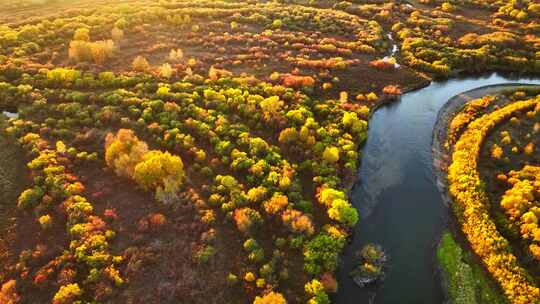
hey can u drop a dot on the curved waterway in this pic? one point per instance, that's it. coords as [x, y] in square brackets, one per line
[397, 197]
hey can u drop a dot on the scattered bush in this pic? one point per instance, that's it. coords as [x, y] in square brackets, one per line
[140, 64]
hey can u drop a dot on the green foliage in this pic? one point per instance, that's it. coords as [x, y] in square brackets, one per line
[67, 294]
[465, 280]
[315, 290]
[343, 212]
[351, 120]
[232, 279]
[204, 254]
[61, 76]
[29, 198]
[321, 253]
[251, 245]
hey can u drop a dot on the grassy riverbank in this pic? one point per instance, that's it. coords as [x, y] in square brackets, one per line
[464, 279]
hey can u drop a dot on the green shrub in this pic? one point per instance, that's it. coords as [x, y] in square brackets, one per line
[29, 198]
[466, 281]
[321, 253]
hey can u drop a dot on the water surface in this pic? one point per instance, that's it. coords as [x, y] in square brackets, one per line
[399, 203]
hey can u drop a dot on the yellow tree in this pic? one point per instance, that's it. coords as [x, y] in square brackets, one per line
[124, 151]
[270, 298]
[159, 169]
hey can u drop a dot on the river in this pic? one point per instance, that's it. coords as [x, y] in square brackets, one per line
[397, 197]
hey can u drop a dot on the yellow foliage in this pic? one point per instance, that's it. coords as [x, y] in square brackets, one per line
[98, 52]
[249, 277]
[124, 151]
[159, 169]
[529, 148]
[165, 70]
[176, 55]
[270, 298]
[496, 152]
[117, 34]
[152, 170]
[472, 206]
[331, 154]
[101, 50]
[288, 135]
[8, 293]
[140, 64]
[271, 105]
[521, 204]
[82, 34]
[448, 7]
[277, 203]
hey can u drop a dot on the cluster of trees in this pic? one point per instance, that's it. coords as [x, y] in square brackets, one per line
[225, 128]
[263, 181]
[472, 207]
[321, 253]
[371, 268]
[81, 49]
[284, 38]
[339, 208]
[426, 45]
[521, 204]
[152, 170]
[519, 9]
[469, 113]
[88, 257]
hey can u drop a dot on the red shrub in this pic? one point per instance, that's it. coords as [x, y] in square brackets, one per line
[110, 214]
[156, 220]
[40, 279]
[329, 282]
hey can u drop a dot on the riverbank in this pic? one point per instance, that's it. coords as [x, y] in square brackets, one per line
[457, 261]
[464, 281]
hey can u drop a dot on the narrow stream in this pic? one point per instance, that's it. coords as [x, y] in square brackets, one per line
[393, 51]
[397, 197]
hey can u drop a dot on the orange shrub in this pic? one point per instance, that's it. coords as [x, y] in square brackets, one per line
[277, 203]
[294, 81]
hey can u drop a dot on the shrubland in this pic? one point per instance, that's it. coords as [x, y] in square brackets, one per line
[242, 121]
